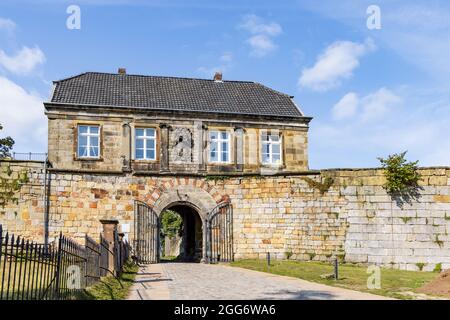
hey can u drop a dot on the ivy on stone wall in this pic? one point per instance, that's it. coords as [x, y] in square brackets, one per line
[322, 186]
[9, 185]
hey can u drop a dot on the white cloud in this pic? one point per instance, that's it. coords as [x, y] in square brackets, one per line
[7, 24]
[377, 104]
[256, 25]
[346, 107]
[370, 107]
[22, 117]
[261, 45]
[24, 61]
[263, 33]
[335, 64]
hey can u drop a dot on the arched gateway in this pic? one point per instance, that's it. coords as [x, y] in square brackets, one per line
[208, 227]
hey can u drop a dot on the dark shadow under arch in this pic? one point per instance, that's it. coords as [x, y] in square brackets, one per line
[192, 237]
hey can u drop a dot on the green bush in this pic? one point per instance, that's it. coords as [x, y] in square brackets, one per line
[402, 178]
[171, 223]
[401, 175]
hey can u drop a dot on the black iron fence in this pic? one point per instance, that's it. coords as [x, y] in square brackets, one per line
[33, 271]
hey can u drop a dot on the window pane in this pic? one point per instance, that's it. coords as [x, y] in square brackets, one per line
[213, 135]
[82, 129]
[150, 132]
[94, 141]
[139, 153]
[82, 152]
[213, 152]
[151, 154]
[93, 130]
[224, 146]
[94, 152]
[275, 138]
[139, 143]
[82, 141]
[224, 157]
[265, 158]
[276, 158]
[139, 132]
[265, 137]
[276, 148]
[151, 144]
[213, 146]
[266, 148]
[224, 135]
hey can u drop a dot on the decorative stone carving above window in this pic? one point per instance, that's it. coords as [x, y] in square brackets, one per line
[181, 144]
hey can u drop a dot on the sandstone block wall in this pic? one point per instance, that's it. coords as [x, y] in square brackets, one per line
[354, 220]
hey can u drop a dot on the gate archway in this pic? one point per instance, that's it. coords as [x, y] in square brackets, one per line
[217, 229]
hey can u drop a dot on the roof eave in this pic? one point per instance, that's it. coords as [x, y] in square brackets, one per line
[89, 107]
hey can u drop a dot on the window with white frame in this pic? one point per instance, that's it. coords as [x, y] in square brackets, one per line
[271, 148]
[219, 146]
[88, 141]
[145, 144]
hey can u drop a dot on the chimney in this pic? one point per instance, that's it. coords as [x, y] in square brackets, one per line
[218, 76]
[122, 71]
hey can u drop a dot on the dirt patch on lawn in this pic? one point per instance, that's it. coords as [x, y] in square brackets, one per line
[438, 287]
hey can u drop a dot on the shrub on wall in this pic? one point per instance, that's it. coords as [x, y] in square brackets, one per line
[402, 177]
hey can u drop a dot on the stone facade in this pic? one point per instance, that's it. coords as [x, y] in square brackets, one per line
[190, 155]
[283, 214]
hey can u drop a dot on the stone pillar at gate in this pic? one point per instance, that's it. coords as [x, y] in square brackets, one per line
[109, 227]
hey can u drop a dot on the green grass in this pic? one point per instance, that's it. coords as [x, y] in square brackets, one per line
[110, 288]
[353, 277]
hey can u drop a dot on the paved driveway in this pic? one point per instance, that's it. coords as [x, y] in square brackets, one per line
[194, 281]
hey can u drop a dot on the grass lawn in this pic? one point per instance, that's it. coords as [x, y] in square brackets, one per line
[393, 282]
[109, 288]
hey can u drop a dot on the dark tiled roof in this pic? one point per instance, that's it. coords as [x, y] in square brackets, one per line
[170, 93]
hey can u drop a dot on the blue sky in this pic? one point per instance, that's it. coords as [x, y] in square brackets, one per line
[371, 92]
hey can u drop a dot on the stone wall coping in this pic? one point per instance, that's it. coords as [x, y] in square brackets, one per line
[201, 174]
[377, 168]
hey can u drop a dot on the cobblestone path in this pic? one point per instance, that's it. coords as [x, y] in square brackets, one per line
[195, 281]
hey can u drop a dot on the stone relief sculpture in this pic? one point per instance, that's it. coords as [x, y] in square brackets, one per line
[181, 144]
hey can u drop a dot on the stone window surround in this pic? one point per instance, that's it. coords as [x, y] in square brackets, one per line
[219, 140]
[75, 144]
[134, 143]
[260, 151]
[154, 126]
[231, 146]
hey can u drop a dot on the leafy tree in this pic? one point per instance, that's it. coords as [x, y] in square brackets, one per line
[6, 145]
[402, 177]
[171, 223]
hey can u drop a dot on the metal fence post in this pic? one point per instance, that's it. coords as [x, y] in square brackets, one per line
[58, 266]
[336, 269]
